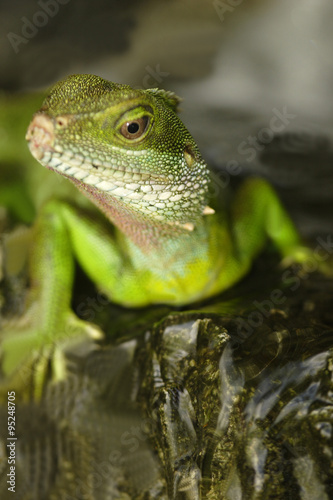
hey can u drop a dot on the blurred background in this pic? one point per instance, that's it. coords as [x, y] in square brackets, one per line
[256, 77]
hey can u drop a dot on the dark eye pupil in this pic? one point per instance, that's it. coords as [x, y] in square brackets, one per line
[133, 128]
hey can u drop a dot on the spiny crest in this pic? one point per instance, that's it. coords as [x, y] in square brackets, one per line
[169, 98]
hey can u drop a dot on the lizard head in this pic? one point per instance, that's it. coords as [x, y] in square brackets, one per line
[122, 147]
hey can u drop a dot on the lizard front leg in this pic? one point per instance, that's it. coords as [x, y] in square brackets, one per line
[48, 323]
[63, 233]
[257, 216]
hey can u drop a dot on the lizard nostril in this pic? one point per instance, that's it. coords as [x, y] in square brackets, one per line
[40, 135]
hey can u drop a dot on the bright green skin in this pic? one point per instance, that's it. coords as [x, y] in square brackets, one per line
[148, 254]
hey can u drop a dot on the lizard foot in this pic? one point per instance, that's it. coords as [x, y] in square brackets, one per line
[309, 261]
[32, 355]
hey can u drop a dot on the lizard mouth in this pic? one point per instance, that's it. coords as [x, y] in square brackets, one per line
[114, 179]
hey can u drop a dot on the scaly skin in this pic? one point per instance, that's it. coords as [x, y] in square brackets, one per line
[130, 154]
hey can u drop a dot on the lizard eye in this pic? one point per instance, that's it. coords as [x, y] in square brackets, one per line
[135, 128]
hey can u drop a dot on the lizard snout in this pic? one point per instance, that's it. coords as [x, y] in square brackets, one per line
[40, 135]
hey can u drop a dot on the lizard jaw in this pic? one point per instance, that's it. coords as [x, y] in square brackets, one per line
[41, 137]
[137, 187]
[151, 195]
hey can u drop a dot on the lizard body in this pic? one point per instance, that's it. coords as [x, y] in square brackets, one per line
[131, 155]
